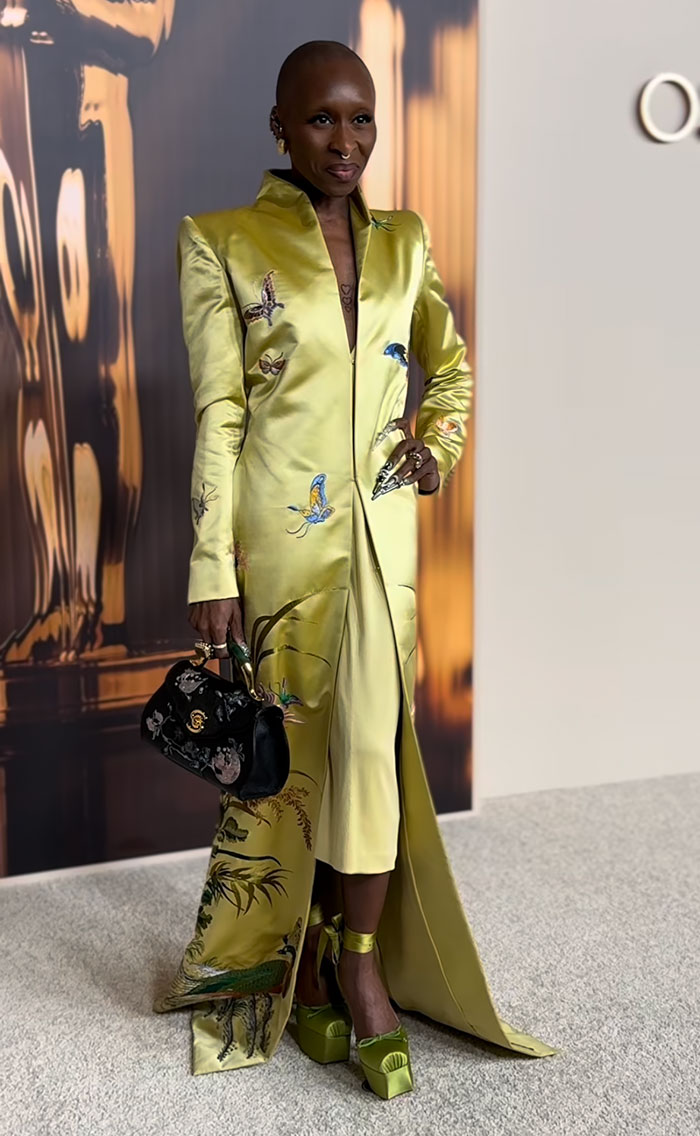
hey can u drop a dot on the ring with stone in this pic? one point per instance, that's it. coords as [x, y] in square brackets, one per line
[204, 647]
[418, 458]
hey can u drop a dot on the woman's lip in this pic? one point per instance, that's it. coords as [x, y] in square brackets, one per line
[344, 173]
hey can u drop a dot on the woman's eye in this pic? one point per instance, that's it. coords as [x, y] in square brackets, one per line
[362, 119]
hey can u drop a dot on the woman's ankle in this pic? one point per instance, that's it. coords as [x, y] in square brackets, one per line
[311, 989]
[366, 995]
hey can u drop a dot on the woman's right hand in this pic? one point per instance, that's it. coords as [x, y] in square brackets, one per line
[212, 618]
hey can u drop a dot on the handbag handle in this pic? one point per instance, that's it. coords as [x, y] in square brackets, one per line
[238, 652]
[241, 653]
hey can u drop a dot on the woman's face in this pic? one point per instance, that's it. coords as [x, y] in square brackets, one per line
[331, 113]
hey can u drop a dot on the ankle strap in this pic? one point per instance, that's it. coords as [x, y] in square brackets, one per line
[315, 915]
[359, 941]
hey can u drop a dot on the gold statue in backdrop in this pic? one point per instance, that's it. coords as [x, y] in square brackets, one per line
[417, 129]
[66, 283]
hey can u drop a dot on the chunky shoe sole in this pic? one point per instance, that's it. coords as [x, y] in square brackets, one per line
[386, 1063]
[323, 1033]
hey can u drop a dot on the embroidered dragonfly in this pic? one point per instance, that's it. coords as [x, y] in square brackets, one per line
[387, 223]
[270, 366]
[200, 504]
[318, 509]
[398, 352]
[268, 302]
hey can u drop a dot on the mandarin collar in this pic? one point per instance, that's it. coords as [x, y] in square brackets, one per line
[285, 193]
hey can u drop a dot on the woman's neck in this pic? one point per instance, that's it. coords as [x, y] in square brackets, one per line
[328, 208]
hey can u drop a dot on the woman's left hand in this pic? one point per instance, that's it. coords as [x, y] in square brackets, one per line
[419, 462]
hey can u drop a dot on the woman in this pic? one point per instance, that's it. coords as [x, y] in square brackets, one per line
[298, 313]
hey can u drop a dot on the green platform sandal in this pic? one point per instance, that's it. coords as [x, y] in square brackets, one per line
[385, 1058]
[323, 1032]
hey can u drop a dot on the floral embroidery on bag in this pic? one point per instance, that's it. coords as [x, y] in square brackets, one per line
[228, 702]
[398, 352]
[200, 504]
[268, 302]
[226, 762]
[318, 509]
[189, 681]
[155, 723]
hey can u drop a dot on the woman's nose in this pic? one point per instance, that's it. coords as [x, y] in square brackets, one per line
[343, 142]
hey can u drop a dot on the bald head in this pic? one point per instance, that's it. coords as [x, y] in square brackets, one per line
[325, 115]
[308, 57]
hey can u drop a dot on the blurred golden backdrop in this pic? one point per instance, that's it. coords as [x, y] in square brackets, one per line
[115, 120]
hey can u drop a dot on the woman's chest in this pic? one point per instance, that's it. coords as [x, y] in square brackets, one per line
[341, 253]
[300, 296]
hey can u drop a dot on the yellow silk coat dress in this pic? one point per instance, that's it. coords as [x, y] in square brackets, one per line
[289, 425]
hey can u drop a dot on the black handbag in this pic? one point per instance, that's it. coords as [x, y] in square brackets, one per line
[222, 730]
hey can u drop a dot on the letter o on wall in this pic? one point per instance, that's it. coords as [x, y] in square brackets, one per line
[691, 123]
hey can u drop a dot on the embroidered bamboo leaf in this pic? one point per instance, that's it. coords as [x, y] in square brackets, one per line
[258, 637]
[249, 807]
[301, 773]
[242, 855]
[235, 885]
[289, 647]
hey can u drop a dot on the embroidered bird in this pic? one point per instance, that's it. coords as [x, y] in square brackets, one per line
[270, 977]
[318, 509]
[268, 302]
[398, 352]
[287, 700]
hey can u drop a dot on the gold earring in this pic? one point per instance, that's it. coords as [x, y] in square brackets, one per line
[281, 146]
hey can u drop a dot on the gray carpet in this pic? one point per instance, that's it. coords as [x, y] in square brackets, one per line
[586, 907]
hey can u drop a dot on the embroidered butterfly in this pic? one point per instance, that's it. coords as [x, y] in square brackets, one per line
[448, 427]
[318, 508]
[270, 366]
[387, 224]
[268, 302]
[200, 505]
[397, 351]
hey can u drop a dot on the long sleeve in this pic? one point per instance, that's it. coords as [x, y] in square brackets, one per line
[446, 404]
[214, 339]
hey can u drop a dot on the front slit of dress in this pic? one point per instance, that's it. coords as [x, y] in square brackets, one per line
[360, 808]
